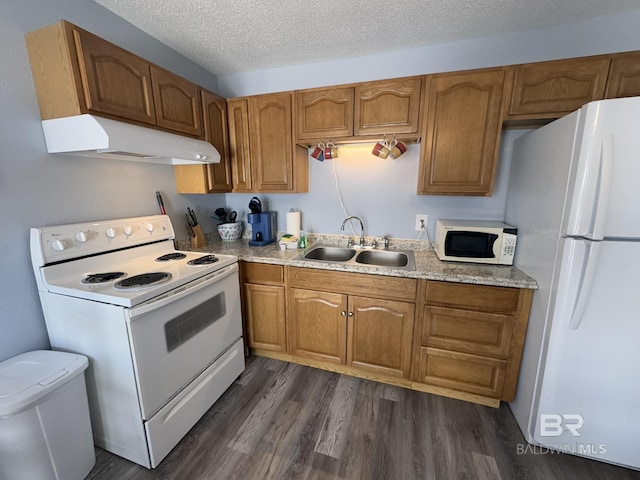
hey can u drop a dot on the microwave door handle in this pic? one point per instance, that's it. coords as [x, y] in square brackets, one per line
[181, 292]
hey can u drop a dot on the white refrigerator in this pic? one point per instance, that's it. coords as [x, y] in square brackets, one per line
[574, 194]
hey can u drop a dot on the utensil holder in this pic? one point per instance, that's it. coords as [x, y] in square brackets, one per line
[198, 240]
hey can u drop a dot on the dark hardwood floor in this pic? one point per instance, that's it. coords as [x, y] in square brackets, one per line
[286, 421]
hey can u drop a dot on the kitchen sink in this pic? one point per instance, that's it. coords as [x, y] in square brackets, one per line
[330, 254]
[383, 258]
[402, 260]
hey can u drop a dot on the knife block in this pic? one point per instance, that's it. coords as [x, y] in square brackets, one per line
[198, 240]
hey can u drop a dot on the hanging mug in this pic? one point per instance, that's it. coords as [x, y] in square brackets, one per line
[381, 149]
[397, 148]
[330, 151]
[318, 152]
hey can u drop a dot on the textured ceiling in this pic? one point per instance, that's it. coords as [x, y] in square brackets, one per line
[227, 36]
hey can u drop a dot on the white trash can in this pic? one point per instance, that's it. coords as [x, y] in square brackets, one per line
[45, 428]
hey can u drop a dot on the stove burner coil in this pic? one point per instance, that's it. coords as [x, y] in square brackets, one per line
[143, 280]
[102, 277]
[171, 256]
[206, 260]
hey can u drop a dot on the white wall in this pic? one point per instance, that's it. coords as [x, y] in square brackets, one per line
[38, 189]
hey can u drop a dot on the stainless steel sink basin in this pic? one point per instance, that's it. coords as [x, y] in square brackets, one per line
[383, 258]
[393, 259]
[330, 254]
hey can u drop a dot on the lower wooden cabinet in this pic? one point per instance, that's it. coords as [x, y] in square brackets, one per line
[264, 306]
[470, 338]
[459, 340]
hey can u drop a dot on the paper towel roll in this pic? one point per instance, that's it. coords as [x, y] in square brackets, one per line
[293, 224]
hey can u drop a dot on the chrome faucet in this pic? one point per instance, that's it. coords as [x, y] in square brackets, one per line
[351, 217]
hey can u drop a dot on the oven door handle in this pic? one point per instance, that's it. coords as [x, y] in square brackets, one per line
[178, 293]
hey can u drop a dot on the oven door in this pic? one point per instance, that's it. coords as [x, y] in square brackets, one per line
[176, 336]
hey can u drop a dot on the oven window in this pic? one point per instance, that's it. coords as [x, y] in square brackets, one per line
[193, 321]
[469, 244]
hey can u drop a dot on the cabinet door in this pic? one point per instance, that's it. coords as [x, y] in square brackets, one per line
[265, 310]
[271, 142]
[115, 82]
[624, 76]
[318, 325]
[177, 103]
[215, 177]
[239, 153]
[380, 335]
[461, 133]
[324, 113]
[553, 89]
[389, 106]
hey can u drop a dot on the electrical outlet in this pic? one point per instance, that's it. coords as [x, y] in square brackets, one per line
[420, 219]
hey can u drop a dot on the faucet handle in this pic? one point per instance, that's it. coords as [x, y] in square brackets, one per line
[350, 242]
[374, 243]
[386, 242]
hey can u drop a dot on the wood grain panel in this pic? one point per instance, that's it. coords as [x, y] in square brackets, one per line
[318, 325]
[558, 87]
[265, 310]
[462, 371]
[353, 283]
[474, 297]
[388, 106]
[115, 82]
[263, 273]
[624, 75]
[177, 101]
[461, 133]
[239, 144]
[380, 335]
[324, 113]
[467, 331]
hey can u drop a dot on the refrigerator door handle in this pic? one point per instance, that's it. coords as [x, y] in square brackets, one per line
[603, 187]
[587, 278]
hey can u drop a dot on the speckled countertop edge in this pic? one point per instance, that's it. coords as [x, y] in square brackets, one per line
[428, 266]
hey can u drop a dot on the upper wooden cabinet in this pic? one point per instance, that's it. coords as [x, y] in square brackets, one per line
[553, 89]
[388, 106]
[359, 111]
[239, 151]
[177, 102]
[277, 164]
[216, 177]
[461, 132]
[324, 113]
[624, 75]
[76, 72]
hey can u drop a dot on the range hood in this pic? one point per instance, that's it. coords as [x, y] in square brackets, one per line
[91, 136]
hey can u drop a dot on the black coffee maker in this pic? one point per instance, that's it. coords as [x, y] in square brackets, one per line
[263, 224]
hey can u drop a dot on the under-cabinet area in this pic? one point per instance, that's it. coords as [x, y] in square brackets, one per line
[454, 339]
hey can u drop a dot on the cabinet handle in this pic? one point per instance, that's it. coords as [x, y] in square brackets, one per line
[343, 313]
[351, 314]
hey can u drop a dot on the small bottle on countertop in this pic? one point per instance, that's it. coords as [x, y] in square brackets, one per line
[302, 241]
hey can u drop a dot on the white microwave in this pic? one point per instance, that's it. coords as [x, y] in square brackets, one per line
[475, 241]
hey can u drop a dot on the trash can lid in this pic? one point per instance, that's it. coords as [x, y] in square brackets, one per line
[26, 378]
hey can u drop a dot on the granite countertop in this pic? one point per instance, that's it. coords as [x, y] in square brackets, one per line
[428, 266]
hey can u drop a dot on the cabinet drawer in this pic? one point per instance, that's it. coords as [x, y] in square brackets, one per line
[353, 283]
[462, 371]
[467, 331]
[475, 297]
[263, 273]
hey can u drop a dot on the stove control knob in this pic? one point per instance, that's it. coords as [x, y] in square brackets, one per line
[128, 230]
[110, 232]
[59, 245]
[82, 237]
[149, 227]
